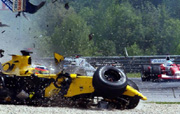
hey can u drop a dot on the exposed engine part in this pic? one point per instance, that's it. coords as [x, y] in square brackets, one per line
[22, 95]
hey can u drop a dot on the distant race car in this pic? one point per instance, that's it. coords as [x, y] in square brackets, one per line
[165, 71]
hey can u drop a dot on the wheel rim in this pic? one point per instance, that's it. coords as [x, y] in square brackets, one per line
[112, 76]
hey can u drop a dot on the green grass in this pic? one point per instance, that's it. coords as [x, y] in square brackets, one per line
[165, 102]
[133, 75]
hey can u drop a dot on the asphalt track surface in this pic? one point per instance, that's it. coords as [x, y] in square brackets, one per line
[168, 91]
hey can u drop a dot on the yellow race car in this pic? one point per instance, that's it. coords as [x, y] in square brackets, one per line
[20, 84]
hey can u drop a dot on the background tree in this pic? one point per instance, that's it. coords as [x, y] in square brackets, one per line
[145, 27]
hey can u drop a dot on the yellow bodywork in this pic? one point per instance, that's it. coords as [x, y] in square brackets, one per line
[130, 91]
[80, 85]
[58, 58]
[21, 66]
[83, 85]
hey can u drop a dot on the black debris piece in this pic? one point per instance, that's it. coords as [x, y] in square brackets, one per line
[18, 15]
[3, 31]
[1, 50]
[66, 6]
[31, 8]
[1, 53]
[25, 15]
[53, 1]
[91, 36]
[3, 25]
[26, 52]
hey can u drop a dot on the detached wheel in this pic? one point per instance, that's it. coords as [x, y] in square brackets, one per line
[145, 73]
[109, 82]
[133, 101]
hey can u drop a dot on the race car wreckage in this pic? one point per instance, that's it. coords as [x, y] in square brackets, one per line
[20, 84]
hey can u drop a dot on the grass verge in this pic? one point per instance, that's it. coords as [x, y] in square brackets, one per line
[133, 75]
[165, 102]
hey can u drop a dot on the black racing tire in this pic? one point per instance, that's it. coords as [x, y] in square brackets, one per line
[143, 78]
[133, 101]
[145, 69]
[109, 82]
[145, 73]
[156, 70]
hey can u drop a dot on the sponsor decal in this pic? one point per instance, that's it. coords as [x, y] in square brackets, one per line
[17, 5]
[13, 5]
[159, 61]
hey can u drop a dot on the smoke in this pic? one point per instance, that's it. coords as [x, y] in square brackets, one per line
[24, 33]
[16, 36]
[20, 34]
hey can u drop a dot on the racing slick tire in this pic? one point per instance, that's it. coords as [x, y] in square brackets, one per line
[145, 73]
[109, 82]
[133, 101]
[156, 70]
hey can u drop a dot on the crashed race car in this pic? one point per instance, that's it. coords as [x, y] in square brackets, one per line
[165, 71]
[20, 84]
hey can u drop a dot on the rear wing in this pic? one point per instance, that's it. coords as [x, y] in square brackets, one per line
[15, 5]
[58, 58]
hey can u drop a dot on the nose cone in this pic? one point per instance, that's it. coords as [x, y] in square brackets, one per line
[130, 91]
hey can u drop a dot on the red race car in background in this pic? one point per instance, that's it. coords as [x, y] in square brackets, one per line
[165, 71]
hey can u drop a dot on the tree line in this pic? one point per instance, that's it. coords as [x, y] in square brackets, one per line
[107, 27]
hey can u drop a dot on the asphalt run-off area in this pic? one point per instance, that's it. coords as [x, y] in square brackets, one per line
[166, 91]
